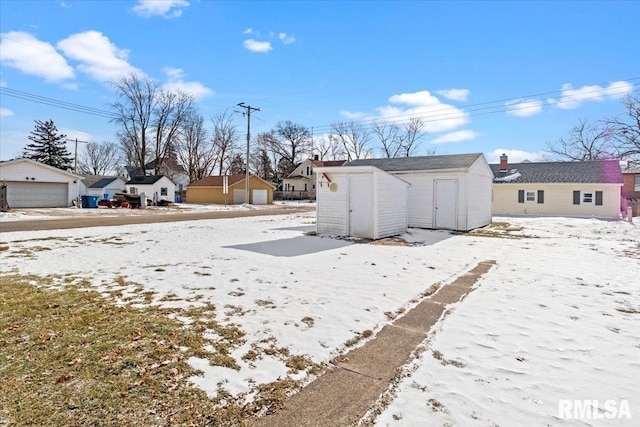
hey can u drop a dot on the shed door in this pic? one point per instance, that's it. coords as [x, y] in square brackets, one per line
[259, 197]
[446, 203]
[361, 206]
[38, 194]
[238, 196]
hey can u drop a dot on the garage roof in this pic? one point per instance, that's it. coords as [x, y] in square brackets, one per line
[451, 161]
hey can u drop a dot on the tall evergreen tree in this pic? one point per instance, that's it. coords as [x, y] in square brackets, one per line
[48, 147]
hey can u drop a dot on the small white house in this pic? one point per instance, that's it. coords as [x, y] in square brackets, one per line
[156, 187]
[32, 184]
[360, 201]
[105, 188]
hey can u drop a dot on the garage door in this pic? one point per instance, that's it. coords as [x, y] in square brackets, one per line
[259, 197]
[38, 194]
[238, 197]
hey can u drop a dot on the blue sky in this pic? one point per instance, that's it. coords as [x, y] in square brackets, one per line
[487, 77]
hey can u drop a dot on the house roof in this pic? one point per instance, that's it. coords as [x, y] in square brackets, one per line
[450, 161]
[103, 182]
[134, 171]
[171, 165]
[146, 180]
[594, 171]
[217, 180]
[631, 171]
[327, 163]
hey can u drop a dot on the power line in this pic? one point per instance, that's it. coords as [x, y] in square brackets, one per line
[56, 103]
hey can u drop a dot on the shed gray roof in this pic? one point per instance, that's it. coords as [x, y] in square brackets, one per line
[450, 161]
[103, 182]
[587, 172]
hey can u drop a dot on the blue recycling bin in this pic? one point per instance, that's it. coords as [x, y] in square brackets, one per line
[177, 198]
[89, 201]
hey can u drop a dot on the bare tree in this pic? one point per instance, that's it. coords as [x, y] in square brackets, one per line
[261, 164]
[225, 140]
[354, 138]
[99, 159]
[413, 132]
[137, 97]
[627, 129]
[194, 150]
[173, 110]
[389, 137]
[288, 142]
[585, 142]
[328, 147]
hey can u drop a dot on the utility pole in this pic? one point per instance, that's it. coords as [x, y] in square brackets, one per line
[246, 166]
[75, 155]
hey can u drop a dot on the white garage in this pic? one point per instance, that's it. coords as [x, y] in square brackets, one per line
[361, 202]
[31, 184]
[451, 192]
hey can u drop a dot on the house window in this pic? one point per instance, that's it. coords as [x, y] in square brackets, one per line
[163, 191]
[305, 187]
[587, 197]
[531, 196]
[133, 190]
[636, 183]
[308, 171]
[180, 187]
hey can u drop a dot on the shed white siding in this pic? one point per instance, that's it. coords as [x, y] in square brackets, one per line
[154, 191]
[479, 190]
[342, 212]
[116, 186]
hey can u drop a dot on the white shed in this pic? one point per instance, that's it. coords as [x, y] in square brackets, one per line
[32, 184]
[450, 192]
[361, 202]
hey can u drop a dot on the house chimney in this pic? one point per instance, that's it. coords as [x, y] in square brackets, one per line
[504, 164]
[315, 157]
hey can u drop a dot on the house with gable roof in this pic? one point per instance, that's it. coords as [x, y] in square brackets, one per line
[301, 182]
[580, 188]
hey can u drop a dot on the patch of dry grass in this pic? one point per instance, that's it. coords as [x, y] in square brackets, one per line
[70, 358]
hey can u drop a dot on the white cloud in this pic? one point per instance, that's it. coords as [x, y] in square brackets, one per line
[248, 31]
[165, 8]
[524, 107]
[98, 57]
[286, 38]
[456, 136]
[26, 53]
[455, 94]
[176, 83]
[437, 116]
[5, 112]
[351, 115]
[514, 156]
[257, 46]
[572, 98]
[73, 134]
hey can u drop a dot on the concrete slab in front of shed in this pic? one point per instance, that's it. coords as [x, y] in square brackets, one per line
[381, 357]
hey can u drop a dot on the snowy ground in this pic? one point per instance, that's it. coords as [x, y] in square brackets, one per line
[557, 318]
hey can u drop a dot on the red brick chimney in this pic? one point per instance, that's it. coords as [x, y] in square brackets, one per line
[504, 164]
[315, 157]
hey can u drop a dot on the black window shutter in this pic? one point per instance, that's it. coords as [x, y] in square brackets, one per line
[576, 197]
[520, 196]
[599, 198]
[540, 196]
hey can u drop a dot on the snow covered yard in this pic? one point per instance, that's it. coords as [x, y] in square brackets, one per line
[557, 318]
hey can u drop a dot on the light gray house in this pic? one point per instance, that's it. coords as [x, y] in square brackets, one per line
[155, 187]
[446, 192]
